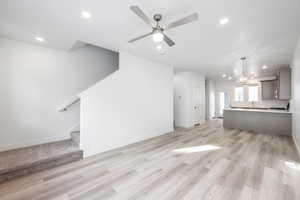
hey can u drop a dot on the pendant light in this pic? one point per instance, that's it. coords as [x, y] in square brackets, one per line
[244, 76]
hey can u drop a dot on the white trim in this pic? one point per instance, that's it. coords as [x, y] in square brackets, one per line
[5, 147]
[296, 144]
[68, 104]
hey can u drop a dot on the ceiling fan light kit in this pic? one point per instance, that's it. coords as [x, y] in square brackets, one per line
[157, 33]
[157, 36]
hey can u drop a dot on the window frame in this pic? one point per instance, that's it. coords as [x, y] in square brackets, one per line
[256, 95]
[238, 98]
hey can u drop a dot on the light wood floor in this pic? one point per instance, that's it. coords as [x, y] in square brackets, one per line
[206, 162]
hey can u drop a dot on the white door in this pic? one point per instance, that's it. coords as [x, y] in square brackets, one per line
[198, 103]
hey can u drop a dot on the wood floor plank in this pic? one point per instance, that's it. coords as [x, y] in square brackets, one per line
[206, 162]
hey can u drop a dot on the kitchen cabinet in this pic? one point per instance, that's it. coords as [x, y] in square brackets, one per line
[269, 90]
[279, 89]
[284, 82]
[273, 122]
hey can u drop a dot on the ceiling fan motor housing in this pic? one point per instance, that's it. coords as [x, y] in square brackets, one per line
[157, 17]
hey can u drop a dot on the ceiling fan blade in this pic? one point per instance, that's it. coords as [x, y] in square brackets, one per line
[141, 37]
[168, 40]
[141, 14]
[185, 20]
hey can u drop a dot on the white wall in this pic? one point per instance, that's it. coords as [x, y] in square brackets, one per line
[184, 99]
[210, 94]
[133, 104]
[296, 94]
[35, 81]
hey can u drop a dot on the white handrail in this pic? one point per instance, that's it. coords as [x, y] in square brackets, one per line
[68, 104]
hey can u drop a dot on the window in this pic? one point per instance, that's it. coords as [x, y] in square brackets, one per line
[253, 93]
[239, 94]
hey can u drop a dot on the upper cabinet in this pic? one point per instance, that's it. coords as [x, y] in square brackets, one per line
[284, 82]
[279, 89]
[269, 90]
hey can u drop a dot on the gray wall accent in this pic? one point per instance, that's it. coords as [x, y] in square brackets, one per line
[35, 81]
[259, 122]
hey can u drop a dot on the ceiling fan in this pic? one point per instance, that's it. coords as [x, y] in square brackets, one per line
[157, 32]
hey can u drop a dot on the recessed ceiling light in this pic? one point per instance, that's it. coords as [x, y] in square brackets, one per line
[230, 78]
[224, 75]
[162, 52]
[224, 21]
[158, 47]
[39, 39]
[264, 67]
[86, 14]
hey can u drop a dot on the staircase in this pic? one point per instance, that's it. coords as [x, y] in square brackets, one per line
[24, 161]
[75, 136]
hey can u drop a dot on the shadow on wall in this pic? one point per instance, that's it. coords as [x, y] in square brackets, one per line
[35, 81]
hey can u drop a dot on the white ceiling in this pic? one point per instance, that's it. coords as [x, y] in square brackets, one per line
[263, 30]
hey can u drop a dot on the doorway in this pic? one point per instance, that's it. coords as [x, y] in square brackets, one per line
[224, 102]
[198, 101]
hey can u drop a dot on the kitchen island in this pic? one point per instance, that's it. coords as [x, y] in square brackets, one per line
[268, 121]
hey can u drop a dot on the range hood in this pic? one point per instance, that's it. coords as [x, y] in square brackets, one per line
[267, 78]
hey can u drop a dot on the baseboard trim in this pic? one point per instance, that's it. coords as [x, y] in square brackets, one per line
[88, 152]
[6, 147]
[296, 144]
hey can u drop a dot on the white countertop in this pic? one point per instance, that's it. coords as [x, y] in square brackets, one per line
[259, 110]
